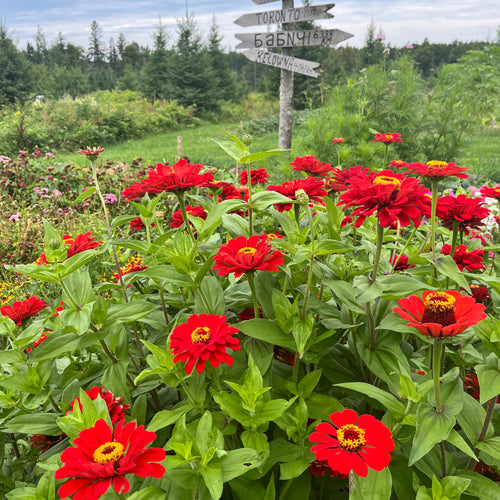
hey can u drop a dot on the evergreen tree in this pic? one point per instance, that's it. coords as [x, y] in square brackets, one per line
[15, 81]
[373, 51]
[96, 50]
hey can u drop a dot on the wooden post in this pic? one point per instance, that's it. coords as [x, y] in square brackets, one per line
[286, 91]
[179, 146]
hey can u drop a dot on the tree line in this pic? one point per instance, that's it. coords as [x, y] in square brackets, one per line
[193, 70]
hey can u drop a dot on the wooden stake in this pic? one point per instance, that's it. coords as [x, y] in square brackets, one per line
[286, 91]
[179, 146]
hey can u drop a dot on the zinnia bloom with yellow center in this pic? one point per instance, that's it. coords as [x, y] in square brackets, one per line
[491, 192]
[440, 314]
[391, 197]
[243, 254]
[310, 165]
[103, 455]
[388, 138]
[352, 443]
[203, 338]
[21, 310]
[438, 170]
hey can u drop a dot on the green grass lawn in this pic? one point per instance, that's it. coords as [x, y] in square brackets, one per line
[196, 142]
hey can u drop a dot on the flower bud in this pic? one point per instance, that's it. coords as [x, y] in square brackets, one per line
[301, 197]
[247, 139]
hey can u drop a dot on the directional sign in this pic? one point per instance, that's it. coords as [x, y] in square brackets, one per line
[291, 38]
[260, 2]
[284, 62]
[310, 13]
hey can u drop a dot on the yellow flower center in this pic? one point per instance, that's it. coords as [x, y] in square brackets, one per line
[247, 250]
[439, 308]
[200, 335]
[272, 236]
[386, 180]
[351, 437]
[108, 452]
[436, 164]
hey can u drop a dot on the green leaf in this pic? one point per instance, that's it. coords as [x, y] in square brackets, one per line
[491, 447]
[307, 385]
[488, 375]
[480, 486]
[264, 199]
[269, 331]
[212, 476]
[164, 418]
[215, 215]
[256, 441]
[389, 401]
[458, 441]
[321, 405]
[210, 297]
[238, 462]
[149, 493]
[471, 419]
[301, 332]
[34, 423]
[84, 195]
[291, 470]
[395, 286]
[375, 486]
[114, 379]
[253, 157]
[446, 265]
[432, 428]
[129, 312]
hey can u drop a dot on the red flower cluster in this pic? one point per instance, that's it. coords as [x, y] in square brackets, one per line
[243, 254]
[398, 164]
[314, 188]
[81, 243]
[387, 138]
[440, 314]
[21, 310]
[37, 342]
[338, 140]
[257, 176]
[352, 443]
[401, 262]
[468, 212]
[203, 338]
[103, 455]
[438, 170]
[115, 408]
[391, 197]
[463, 258]
[480, 293]
[312, 166]
[179, 177]
[197, 211]
[491, 192]
[134, 265]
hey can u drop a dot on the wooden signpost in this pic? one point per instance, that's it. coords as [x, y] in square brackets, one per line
[310, 13]
[287, 39]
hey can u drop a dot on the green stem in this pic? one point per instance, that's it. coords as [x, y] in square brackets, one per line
[182, 206]
[385, 156]
[190, 396]
[311, 264]
[487, 419]
[250, 208]
[371, 319]
[434, 191]
[296, 366]
[436, 371]
[251, 283]
[378, 250]
[404, 249]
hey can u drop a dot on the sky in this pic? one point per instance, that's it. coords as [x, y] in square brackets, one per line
[401, 21]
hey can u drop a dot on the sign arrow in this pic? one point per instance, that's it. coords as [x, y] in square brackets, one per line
[291, 38]
[280, 16]
[284, 62]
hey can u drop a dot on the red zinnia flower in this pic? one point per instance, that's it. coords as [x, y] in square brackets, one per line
[314, 188]
[257, 176]
[179, 177]
[312, 166]
[203, 338]
[440, 314]
[401, 263]
[136, 224]
[115, 409]
[91, 152]
[468, 212]
[197, 211]
[388, 195]
[81, 243]
[243, 254]
[463, 258]
[21, 310]
[134, 265]
[491, 192]
[37, 342]
[214, 184]
[338, 139]
[480, 293]
[387, 138]
[103, 455]
[471, 384]
[398, 163]
[438, 170]
[353, 443]
[319, 467]
[344, 176]
[45, 442]
[136, 190]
